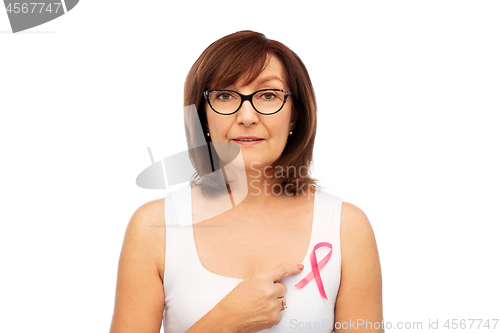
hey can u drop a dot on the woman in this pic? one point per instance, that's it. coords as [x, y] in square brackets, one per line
[248, 262]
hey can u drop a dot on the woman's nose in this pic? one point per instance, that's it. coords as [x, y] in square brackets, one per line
[247, 115]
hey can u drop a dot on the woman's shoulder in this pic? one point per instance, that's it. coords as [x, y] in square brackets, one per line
[146, 229]
[149, 212]
[355, 216]
[354, 222]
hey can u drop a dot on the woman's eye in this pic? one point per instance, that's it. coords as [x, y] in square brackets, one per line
[224, 96]
[267, 96]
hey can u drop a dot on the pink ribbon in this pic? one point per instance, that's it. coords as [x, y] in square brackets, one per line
[316, 268]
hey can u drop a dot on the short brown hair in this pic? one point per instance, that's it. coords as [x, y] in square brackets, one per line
[243, 56]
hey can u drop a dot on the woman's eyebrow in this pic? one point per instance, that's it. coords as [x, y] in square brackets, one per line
[269, 78]
[261, 81]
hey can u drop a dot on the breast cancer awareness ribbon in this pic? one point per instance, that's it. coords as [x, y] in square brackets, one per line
[316, 268]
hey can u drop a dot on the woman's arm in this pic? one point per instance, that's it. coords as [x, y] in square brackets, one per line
[359, 301]
[139, 298]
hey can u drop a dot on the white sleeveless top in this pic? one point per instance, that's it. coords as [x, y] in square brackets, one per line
[191, 290]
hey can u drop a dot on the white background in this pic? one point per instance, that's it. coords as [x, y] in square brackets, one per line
[408, 104]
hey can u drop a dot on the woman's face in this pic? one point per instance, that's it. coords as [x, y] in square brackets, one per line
[274, 129]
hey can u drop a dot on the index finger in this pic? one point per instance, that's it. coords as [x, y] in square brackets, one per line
[283, 271]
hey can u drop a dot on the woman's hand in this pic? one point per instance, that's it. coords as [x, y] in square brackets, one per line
[253, 305]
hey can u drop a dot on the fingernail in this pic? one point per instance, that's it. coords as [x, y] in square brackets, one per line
[300, 266]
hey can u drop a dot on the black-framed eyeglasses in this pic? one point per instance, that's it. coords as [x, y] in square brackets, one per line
[264, 101]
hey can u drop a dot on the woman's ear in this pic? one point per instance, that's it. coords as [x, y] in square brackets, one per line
[292, 122]
[292, 125]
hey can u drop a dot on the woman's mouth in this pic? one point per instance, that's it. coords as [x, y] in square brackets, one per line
[248, 141]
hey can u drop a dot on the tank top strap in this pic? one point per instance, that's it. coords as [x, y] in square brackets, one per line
[326, 220]
[327, 213]
[178, 229]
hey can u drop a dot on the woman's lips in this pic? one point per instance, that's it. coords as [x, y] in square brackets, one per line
[248, 142]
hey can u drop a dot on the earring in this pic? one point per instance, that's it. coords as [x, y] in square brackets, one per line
[290, 133]
[208, 134]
